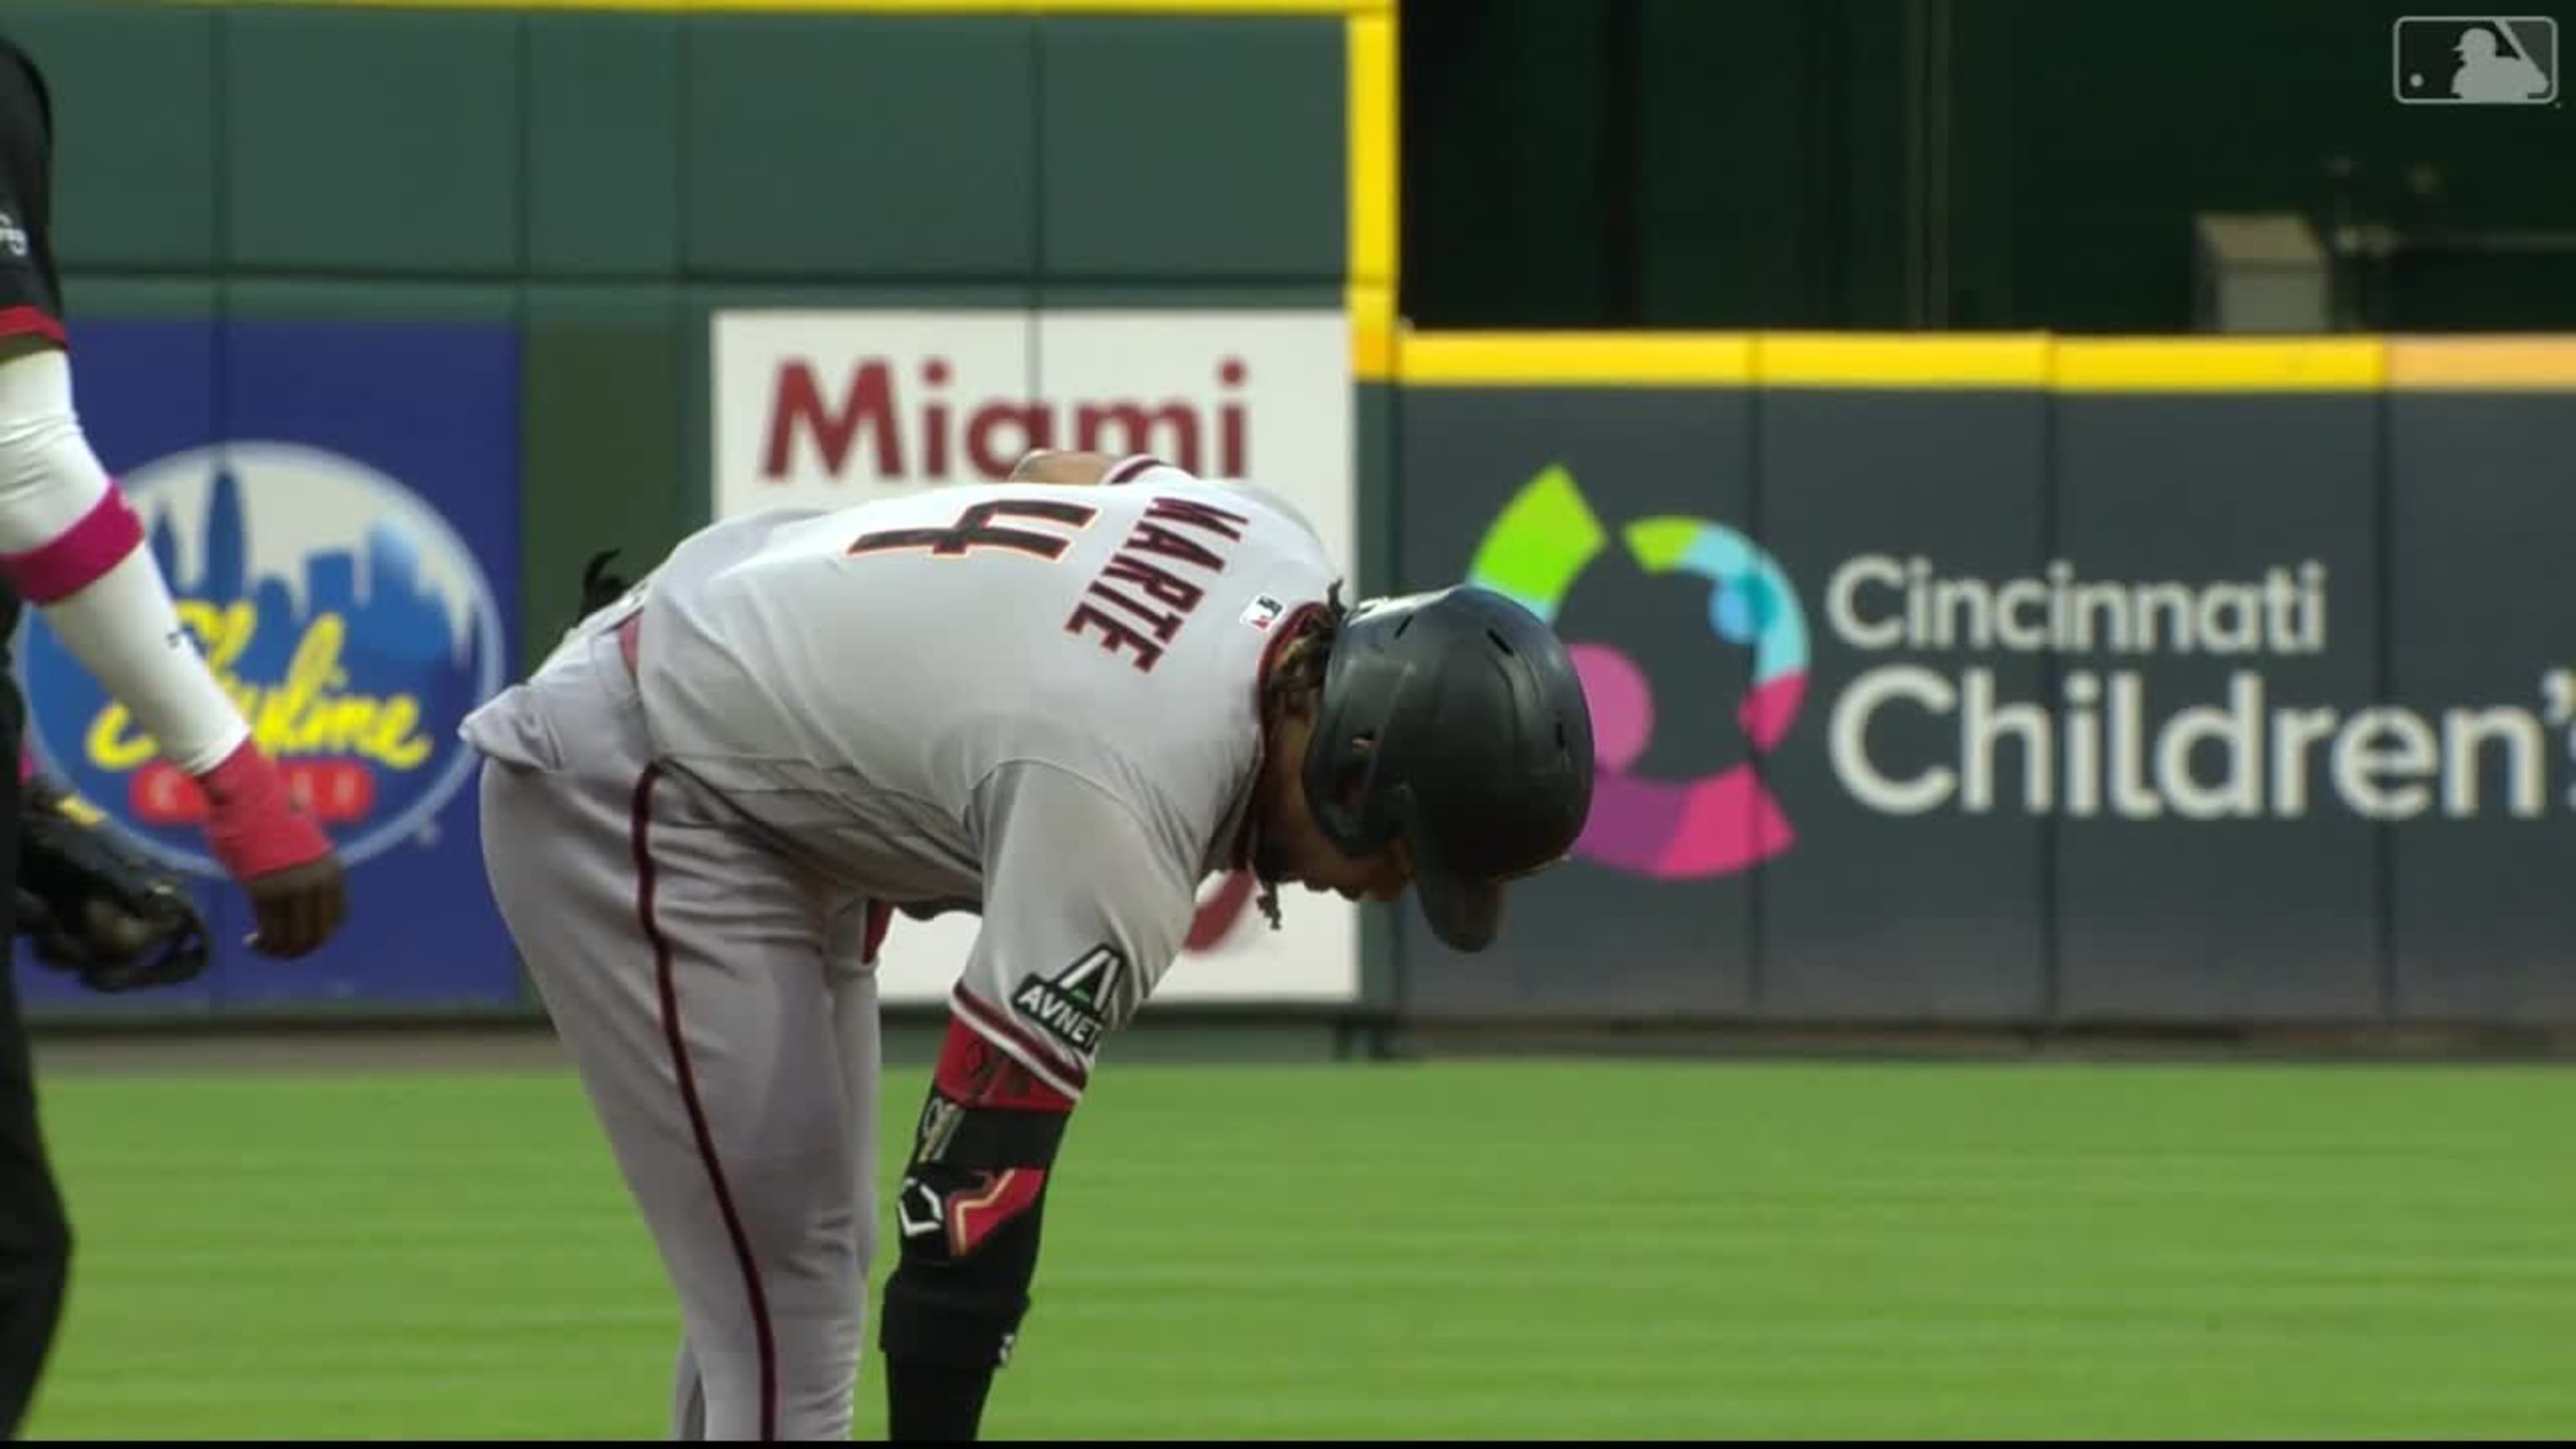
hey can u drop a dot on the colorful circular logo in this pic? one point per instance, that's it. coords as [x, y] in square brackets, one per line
[338, 609]
[1669, 830]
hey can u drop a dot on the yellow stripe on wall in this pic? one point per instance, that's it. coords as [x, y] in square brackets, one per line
[2482, 363]
[1901, 359]
[2029, 361]
[1372, 314]
[1200, 8]
[2219, 364]
[1574, 359]
[1373, 140]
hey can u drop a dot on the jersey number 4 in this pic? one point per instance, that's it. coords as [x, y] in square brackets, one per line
[980, 527]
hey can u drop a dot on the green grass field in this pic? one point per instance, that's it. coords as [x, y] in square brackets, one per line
[1523, 1250]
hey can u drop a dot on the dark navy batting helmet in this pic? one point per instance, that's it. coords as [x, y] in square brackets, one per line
[1452, 721]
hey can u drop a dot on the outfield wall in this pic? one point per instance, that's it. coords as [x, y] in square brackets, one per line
[549, 279]
[2028, 680]
[1978, 680]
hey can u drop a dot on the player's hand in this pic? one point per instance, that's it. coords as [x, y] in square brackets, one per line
[268, 842]
[1071, 469]
[298, 908]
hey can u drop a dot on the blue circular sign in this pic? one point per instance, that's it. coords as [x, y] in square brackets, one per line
[342, 613]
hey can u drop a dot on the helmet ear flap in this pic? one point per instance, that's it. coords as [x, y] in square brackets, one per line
[1363, 691]
[1340, 769]
[1338, 776]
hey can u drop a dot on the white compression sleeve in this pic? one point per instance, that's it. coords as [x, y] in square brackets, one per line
[76, 552]
[49, 479]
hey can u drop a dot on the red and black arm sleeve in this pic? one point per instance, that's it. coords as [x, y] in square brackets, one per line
[968, 1217]
[1086, 904]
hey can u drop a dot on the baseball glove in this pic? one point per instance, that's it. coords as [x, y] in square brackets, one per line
[91, 906]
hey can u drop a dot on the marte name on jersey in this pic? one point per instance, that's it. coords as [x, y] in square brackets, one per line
[1144, 626]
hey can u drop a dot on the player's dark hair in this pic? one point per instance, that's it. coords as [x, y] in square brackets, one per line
[1293, 685]
[1296, 675]
[599, 587]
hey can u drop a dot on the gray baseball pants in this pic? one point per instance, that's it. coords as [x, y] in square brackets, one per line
[715, 1004]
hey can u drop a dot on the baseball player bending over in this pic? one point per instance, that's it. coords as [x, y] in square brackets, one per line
[1059, 707]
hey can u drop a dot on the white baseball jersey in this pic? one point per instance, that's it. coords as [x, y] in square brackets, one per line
[1041, 701]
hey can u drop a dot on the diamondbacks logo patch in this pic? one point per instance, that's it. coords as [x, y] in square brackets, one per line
[1074, 1005]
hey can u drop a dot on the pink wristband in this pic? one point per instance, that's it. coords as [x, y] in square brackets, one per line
[80, 554]
[251, 822]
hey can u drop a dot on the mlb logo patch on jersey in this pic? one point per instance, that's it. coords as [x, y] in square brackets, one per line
[1263, 612]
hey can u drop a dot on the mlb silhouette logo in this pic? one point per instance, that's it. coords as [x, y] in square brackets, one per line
[2476, 60]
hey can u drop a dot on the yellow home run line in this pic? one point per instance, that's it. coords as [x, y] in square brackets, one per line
[1999, 361]
[2218, 364]
[1372, 130]
[1371, 310]
[2488, 364]
[851, 7]
[1606, 359]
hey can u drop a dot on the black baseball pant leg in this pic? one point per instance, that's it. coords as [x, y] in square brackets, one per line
[35, 1233]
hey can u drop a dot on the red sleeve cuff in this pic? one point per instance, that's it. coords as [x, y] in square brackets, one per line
[36, 321]
[997, 1026]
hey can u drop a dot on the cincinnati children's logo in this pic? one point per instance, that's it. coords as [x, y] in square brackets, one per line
[2126, 729]
[1719, 822]
[348, 621]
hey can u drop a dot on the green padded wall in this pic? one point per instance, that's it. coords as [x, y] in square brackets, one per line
[1181, 149]
[134, 97]
[610, 179]
[860, 146]
[621, 174]
[343, 150]
[602, 455]
[604, 122]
